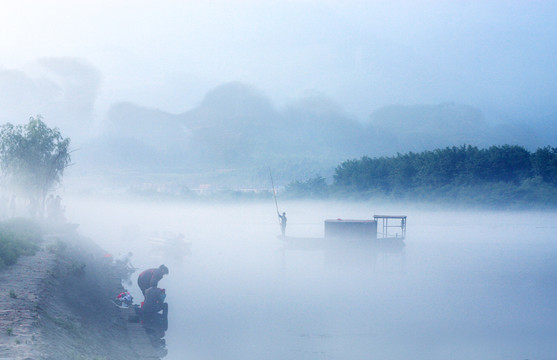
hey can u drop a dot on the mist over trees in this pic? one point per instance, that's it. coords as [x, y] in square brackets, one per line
[237, 128]
[231, 137]
[499, 175]
[33, 158]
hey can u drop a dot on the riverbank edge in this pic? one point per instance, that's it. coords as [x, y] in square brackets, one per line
[57, 304]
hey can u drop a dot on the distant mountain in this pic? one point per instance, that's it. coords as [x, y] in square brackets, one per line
[233, 126]
[161, 131]
[236, 126]
[426, 127]
[318, 127]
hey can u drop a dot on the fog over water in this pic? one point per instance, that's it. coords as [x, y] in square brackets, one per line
[175, 98]
[467, 285]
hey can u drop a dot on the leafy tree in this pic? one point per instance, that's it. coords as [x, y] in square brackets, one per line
[507, 175]
[449, 167]
[506, 163]
[33, 157]
[544, 164]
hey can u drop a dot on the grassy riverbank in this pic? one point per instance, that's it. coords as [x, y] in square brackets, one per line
[55, 300]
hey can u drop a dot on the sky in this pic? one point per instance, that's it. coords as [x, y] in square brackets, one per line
[500, 56]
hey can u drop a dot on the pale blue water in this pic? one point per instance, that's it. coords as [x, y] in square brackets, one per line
[467, 285]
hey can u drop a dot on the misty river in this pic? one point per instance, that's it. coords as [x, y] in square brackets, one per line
[466, 285]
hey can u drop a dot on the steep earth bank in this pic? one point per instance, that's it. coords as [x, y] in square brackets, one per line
[57, 305]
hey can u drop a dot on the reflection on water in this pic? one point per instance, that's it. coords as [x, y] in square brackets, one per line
[377, 255]
[155, 326]
[154, 314]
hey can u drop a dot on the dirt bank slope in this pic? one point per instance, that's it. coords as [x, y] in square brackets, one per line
[57, 305]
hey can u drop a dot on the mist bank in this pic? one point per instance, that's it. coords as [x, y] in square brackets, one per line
[500, 176]
[474, 284]
[497, 177]
[236, 133]
[237, 125]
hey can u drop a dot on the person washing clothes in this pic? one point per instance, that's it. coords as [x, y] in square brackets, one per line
[151, 277]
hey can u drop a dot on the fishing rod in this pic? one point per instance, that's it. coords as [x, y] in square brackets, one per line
[274, 192]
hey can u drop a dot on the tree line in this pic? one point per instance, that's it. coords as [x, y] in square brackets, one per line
[502, 174]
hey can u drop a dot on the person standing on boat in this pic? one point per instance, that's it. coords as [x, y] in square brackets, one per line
[282, 219]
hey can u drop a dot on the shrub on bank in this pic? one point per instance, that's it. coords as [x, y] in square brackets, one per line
[18, 237]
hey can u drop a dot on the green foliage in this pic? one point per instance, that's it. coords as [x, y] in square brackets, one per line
[25, 229]
[13, 295]
[497, 176]
[33, 156]
[544, 164]
[456, 166]
[9, 331]
[18, 237]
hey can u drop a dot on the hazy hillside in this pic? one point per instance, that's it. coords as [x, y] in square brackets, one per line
[426, 127]
[235, 125]
[237, 128]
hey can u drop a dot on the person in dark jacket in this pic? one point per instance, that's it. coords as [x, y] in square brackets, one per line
[154, 301]
[151, 277]
[153, 304]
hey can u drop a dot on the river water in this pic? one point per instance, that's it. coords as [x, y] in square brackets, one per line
[466, 285]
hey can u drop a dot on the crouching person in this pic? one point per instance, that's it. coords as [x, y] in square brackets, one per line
[152, 306]
[151, 277]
